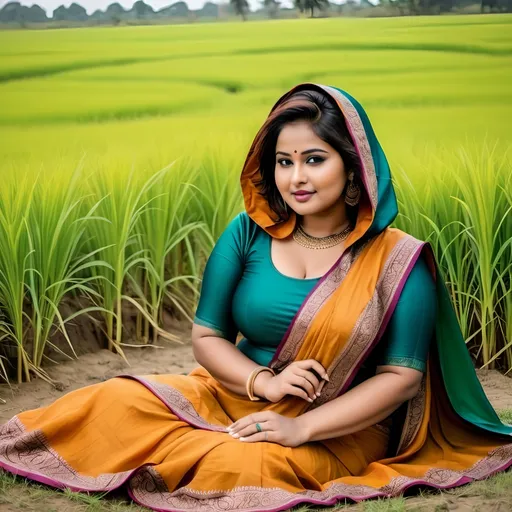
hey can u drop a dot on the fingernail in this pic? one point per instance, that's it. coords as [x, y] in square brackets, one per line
[242, 439]
[326, 377]
[236, 436]
[310, 399]
[318, 394]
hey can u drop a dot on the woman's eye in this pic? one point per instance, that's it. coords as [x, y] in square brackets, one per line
[284, 162]
[315, 160]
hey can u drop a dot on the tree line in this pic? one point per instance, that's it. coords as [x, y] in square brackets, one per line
[14, 12]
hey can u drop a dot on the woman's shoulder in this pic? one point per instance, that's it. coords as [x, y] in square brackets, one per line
[242, 231]
[243, 225]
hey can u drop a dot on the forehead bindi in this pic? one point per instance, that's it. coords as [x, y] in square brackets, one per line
[298, 137]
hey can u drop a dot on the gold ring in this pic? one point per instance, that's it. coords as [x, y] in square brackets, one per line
[266, 435]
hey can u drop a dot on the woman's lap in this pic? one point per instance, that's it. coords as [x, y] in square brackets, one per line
[120, 425]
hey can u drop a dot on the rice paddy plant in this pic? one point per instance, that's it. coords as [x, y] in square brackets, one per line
[56, 229]
[121, 204]
[164, 234]
[14, 254]
[466, 215]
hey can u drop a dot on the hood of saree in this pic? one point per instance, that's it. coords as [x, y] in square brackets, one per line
[447, 435]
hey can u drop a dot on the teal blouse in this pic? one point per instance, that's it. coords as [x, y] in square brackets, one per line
[242, 291]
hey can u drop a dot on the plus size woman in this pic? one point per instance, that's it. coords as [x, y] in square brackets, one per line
[332, 365]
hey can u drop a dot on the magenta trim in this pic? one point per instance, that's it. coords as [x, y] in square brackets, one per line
[335, 499]
[356, 144]
[147, 385]
[304, 302]
[385, 320]
[38, 477]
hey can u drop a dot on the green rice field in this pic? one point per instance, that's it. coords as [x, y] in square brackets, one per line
[121, 148]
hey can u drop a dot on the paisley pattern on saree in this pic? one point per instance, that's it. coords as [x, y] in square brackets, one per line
[363, 335]
[29, 454]
[414, 417]
[356, 128]
[148, 488]
[292, 341]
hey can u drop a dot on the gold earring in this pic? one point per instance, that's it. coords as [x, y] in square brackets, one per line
[353, 193]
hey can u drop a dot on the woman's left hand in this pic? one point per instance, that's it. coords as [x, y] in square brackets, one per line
[275, 428]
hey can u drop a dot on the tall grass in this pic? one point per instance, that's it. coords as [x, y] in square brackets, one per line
[128, 233]
[460, 202]
[142, 239]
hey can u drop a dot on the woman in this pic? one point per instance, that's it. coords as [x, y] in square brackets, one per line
[352, 379]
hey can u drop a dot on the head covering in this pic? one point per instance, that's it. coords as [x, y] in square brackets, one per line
[378, 206]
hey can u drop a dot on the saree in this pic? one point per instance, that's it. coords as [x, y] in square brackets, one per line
[164, 437]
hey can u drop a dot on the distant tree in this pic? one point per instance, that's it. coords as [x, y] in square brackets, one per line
[114, 13]
[209, 10]
[14, 12]
[178, 9]
[60, 14]
[77, 13]
[114, 10]
[241, 7]
[36, 14]
[272, 7]
[311, 5]
[11, 13]
[142, 10]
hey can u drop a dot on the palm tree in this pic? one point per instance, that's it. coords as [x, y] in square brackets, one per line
[311, 5]
[241, 7]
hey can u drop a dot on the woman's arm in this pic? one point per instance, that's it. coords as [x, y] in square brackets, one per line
[368, 403]
[225, 362]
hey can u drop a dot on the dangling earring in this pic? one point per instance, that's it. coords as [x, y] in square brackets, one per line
[353, 193]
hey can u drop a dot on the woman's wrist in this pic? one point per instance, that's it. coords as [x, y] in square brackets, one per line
[260, 383]
[303, 427]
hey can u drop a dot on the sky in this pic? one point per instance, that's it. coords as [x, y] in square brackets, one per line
[92, 5]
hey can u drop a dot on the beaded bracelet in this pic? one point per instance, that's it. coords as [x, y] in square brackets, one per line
[249, 385]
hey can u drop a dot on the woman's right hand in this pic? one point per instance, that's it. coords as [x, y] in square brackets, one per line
[297, 379]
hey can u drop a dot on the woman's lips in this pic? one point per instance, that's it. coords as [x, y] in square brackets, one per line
[302, 197]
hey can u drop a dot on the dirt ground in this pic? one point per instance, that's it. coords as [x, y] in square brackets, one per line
[96, 365]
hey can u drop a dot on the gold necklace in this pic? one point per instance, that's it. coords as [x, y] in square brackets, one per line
[323, 242]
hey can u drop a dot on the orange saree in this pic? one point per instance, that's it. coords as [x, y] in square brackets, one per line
[164, 437]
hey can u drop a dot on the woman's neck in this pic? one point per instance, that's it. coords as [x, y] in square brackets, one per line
[325, 223]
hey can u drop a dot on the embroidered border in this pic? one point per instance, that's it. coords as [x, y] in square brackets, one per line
[29, 454]
[177, 403]
[414, 417]
[356, 128]
[148, 489]
[369, 322]
[314, 302]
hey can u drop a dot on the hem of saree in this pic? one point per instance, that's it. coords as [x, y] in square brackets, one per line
[34, 446]
[261, 499]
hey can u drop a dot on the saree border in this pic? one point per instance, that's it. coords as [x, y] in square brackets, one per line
[358, 133]
[373, 320]
[148, 488]
[327, 285]
[176, 402]
[413, 417]
[29, 454]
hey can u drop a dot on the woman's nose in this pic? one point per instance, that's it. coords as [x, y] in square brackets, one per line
[298, 174]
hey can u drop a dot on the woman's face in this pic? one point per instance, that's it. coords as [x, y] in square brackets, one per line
[305, 163]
